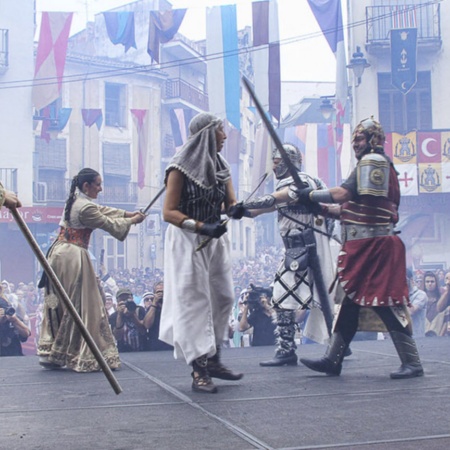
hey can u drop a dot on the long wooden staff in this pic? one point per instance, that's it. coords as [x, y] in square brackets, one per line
[62, 295]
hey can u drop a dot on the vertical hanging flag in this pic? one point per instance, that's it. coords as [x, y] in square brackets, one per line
[404, 16]
[328, 14]
[179, 123]
[163, 27]
[120, 28]
[231, 150]
[326, 154]
[91, 116]
[404, 58]
[232, 145]
[140, 119]
[266, 55]
[262, 160]
[50, 57]
[223, 63]
[296, 135]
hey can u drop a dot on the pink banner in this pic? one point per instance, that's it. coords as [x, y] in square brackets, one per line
[140, 120]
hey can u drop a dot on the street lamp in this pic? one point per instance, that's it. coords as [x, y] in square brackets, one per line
[326, 108]
[358, 63]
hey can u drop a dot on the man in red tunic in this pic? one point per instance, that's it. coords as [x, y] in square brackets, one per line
[371, 253]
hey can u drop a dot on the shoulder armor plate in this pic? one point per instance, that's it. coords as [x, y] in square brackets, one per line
[373, 175]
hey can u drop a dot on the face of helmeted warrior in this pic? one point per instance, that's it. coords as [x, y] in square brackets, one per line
[367, 137]
[279, 167]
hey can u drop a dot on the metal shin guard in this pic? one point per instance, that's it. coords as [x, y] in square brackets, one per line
[409, 356]
[285, 331]
[331, 363]
[217, 370]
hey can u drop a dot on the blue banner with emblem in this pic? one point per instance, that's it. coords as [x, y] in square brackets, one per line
[404, 58]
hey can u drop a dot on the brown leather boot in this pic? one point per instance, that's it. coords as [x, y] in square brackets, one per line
[201, 380]
[217, 370]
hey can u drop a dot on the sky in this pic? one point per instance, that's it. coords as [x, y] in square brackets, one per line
[305, 55]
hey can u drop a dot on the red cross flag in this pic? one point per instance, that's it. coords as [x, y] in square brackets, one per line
[408, 179]
[50, 57]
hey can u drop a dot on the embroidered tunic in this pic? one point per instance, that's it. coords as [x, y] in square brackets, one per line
[60, 339]
[372, 269]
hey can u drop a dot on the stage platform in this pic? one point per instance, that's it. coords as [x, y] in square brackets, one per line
[270, 408]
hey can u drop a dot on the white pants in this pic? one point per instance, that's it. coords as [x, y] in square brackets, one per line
[198, 293]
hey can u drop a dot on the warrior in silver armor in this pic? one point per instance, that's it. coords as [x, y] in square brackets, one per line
[295, 283]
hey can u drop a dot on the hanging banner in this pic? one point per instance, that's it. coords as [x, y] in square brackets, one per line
[404, 58]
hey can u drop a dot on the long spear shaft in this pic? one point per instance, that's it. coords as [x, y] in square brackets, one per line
[152, 202]
[62, 295]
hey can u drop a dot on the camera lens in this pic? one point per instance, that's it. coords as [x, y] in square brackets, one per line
[130, 305]
[10, 311]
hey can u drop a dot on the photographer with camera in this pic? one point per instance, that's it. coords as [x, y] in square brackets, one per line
[152, 319]
[258, 314]
[127, 323]
[12, 331]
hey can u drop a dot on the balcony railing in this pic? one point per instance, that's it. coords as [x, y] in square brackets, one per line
[56, 190]
[114, 193]
[8, 178]
[177, 88]
[425, 17]
[4, 50]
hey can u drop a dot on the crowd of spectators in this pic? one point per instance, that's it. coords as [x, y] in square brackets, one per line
[145, 288]
[435, 284]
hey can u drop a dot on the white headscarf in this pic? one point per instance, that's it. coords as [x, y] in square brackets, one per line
[199, 159]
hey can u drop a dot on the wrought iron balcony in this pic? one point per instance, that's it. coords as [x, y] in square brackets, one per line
[425, 17]
[119, 194]
[179, 89]
[51, 190]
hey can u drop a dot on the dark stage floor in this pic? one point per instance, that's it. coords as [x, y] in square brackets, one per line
[270, 408]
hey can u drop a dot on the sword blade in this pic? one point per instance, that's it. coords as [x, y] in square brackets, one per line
[273, 134]
[154, 200]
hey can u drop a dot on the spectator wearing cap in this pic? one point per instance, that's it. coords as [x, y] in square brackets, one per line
[147, 300]
[152, 320]
[127, 323]
[109, 303]
[418, 306]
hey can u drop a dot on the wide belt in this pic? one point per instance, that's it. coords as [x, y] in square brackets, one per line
[352, 232]
[76, 236]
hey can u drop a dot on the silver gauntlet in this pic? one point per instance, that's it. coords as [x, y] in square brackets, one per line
[264, 202]
[321, 196]
[189, 225]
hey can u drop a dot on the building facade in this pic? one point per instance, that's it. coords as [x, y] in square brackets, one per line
[415, 121]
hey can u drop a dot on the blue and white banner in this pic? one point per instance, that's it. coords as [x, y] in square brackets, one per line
[223, 63]
[404, 58]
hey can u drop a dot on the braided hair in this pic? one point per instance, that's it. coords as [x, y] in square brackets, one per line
[84, 175]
